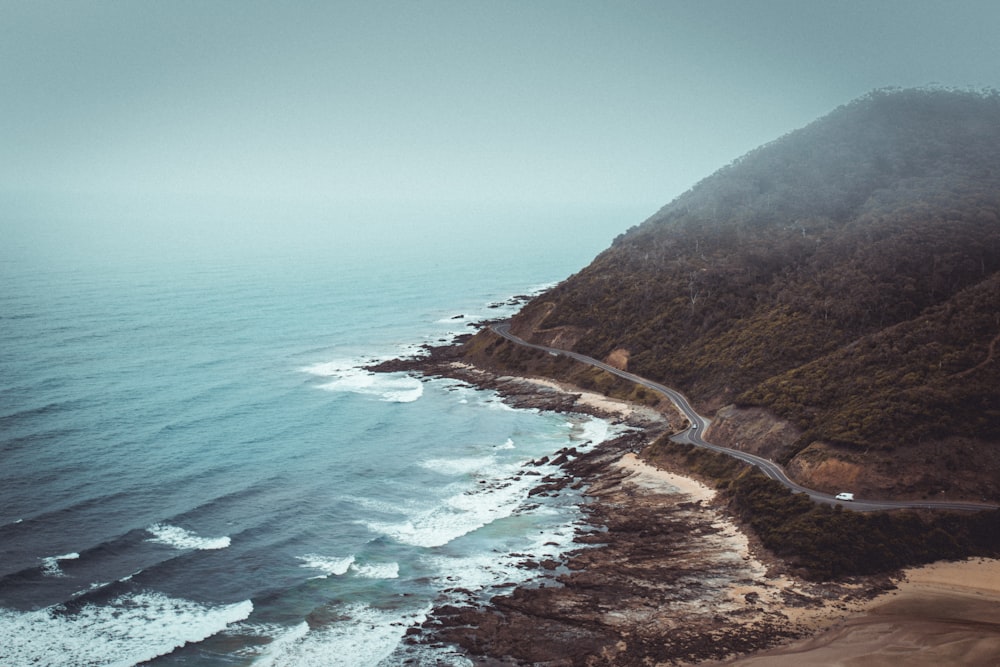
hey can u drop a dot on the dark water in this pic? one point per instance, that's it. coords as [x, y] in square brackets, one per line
[195, 470]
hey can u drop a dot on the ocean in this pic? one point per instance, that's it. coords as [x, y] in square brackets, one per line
[195, 468]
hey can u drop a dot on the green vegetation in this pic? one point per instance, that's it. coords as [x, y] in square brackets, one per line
[488, 350]
[825, 542]
[845, 277]
[715, 469]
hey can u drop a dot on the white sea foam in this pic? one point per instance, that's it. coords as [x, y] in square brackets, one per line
[347, 376]
[406, 350]
[330, 368]
[376, 570]
[179, 538]
[499, 492]
[459, 515]
[492, 310]
[419, 655]
[97, 585]
[282, 640]
[595, 431]
[495, 403]
[461, 466]
[327, 565]
[50, 565]
[128, 630]
[477, 572]
[480, 570]
[380, 506]
[363, 637]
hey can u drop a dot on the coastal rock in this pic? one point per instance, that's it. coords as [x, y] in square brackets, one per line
[657, 576]
[653, 591]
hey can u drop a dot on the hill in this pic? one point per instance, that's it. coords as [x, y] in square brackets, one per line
[834, 296]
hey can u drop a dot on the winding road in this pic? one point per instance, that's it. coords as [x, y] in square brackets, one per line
[698, 425]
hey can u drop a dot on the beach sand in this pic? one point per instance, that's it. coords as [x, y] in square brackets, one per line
[657, 480]
[600, 403]
[941, 614]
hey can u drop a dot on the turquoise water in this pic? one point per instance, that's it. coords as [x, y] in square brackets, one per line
[195, 469]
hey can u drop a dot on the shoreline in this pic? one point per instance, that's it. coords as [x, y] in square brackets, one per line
[665, 575]
[942, 613]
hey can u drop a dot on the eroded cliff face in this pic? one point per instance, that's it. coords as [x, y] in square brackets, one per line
[753, 430]
[954, 468]
[951, 468]
[618, 358]
[824, 467]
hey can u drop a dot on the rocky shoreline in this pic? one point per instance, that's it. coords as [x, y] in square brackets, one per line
[660, 576]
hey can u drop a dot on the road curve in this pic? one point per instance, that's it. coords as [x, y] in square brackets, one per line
[698, 425]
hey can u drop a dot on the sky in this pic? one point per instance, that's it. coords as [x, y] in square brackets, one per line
[429, 104]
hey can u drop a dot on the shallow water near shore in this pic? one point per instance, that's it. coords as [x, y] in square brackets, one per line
[195, 469]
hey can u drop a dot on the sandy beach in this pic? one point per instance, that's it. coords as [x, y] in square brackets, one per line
[599, 403]
[655, 480]
[941, 614]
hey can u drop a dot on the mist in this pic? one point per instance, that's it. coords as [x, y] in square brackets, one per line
[223, 114]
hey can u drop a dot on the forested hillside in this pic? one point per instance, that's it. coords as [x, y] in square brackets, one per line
[845, 278]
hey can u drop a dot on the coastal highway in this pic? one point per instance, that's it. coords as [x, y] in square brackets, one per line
[694, 435]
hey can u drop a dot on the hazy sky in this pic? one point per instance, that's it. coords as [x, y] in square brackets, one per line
[427, 103]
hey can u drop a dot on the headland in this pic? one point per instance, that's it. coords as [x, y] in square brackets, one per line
[664, 574]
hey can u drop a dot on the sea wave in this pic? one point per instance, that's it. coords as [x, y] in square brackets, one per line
[334, 566]
[376, 570]
[459, 515]
[326, 564]
[180, 538]
[492, 310]
[363, 636]
[481, 570]
[461, 466]
[380, 506]
[129, 629]
[500, 491]
[348, 376]
[50, 565]
[281, 638]
[595, 431]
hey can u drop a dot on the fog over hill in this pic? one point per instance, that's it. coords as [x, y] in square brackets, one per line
[841, 283]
